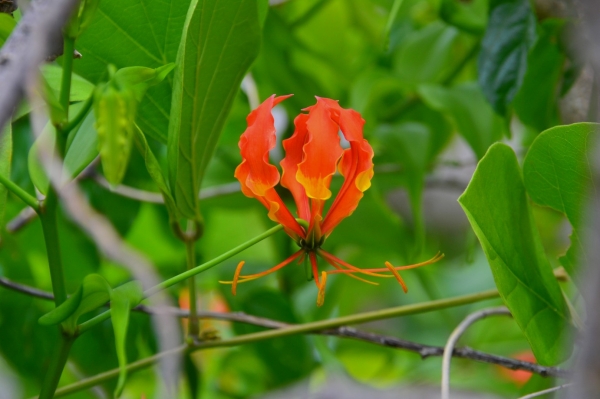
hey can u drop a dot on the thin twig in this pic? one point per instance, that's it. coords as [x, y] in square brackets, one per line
[424, 351]
[156, 198]
[545, 391]
[25, 289]
[26, 216]
[454, 337]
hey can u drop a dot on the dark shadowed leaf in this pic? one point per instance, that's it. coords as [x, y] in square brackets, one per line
[503, 57]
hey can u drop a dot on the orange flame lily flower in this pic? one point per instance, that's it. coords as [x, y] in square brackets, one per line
[313, 155]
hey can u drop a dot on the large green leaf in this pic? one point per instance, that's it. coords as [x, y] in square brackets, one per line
[498, 209]
[5, 162]
[135, 33]
[220, 40]
[467, 109]
[503, 57]
[557, 174]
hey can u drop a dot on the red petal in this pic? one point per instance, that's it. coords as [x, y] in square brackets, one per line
[321, 152]
[293, 156]
[256, 174]
[356, 166]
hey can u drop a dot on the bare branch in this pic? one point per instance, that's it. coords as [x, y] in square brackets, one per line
[424, 351]
[545, 391]
[25, 289]
[454, 337]
[26, 216]
[156, 198]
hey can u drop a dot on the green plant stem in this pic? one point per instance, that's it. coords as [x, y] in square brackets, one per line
[48, 217]
[287, 331]
[193, 322]
[80, 115]
[57, 363]
[185, 275]
[22, 194]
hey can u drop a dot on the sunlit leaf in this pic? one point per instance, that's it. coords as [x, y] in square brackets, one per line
[497, 207]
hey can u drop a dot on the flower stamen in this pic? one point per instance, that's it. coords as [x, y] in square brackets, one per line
[236, 276]
[321, 294]
[237, 279]
[398, 277]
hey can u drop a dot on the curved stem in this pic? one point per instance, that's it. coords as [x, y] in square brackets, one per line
[287, 331]
[454, 337]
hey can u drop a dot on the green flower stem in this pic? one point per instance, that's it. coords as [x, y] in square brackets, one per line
[80, 115]
[185, 275]
[57, 363]
[48, 216]
[287, 331]
[22, 194]
[193, 322]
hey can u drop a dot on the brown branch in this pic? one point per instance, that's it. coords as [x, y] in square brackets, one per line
[423, 350]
